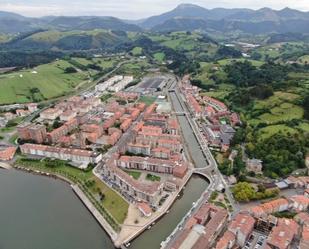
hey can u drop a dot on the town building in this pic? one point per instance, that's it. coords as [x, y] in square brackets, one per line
[7, 152]
[151, 164]
[242, 226]
[50, 114]
[201, 230]
[83, 157]
[132, 189]
[32, 132]
[282, 236]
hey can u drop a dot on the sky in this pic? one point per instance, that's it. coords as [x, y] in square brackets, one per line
[132, 9]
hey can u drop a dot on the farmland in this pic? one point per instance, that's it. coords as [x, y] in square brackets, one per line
[40, 83]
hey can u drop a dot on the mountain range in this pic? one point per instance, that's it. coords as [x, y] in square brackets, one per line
[184, 17]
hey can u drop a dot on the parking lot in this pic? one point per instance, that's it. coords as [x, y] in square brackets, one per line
[256, 240]
[150, 84]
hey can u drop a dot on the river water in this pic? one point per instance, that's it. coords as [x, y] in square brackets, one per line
[192, 144]
[37, 212]
[42, 213]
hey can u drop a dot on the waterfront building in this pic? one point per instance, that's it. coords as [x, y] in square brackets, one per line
[84, 157]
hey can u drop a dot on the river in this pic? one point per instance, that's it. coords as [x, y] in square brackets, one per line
[192, 144]
[38, 212]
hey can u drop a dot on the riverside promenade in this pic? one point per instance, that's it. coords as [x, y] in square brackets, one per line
[109, 230]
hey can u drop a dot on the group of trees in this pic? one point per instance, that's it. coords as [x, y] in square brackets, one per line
[70, 70]
[244, 74]
[281, 154]
[27, 59]
[245, 96]
[244, 192]
[224, 52]
[306, 106]
[236, 168]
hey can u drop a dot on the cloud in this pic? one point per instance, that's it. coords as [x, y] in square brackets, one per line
[133, 9]
[31, 10]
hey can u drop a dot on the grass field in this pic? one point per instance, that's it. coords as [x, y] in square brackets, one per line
[271, 130]
[134, 68]
[159, 57]
[284, 112]
[304, 59]
[102, 62]
[148, 100]
[49, 79]
[112, 202]
[229, 61]
[304, 127]
[137, 51]
[221, 92]
[277, 108]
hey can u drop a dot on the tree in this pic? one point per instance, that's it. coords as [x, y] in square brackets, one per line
[243, 191]
[70, 70]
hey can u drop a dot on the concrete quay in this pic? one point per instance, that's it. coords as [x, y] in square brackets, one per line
[100, 219]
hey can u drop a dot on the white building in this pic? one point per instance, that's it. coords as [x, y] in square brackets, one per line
[83, 157]
[121, 84]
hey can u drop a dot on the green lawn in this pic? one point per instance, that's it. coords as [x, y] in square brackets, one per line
[284, 112]
[112, 202]
[102, 62]
[148, 100]
[159, 57]
[304, 127]
[304, 59]
[153, 178]
[137, 51]
[135, 174]
[271, 130]
[50, 79]
[137, 68]
[229, 61]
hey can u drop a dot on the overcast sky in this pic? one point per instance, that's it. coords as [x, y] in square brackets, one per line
[132, 9]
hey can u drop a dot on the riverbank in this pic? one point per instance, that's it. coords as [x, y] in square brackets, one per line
[5, 165]
[100, 219]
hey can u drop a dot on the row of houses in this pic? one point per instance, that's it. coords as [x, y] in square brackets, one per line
[81, 157]
[153, 165]
[203, 228]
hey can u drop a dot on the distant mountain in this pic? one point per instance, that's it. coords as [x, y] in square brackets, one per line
[191, 24]
[288, 37]
[14, 23]
[10, 15]
[191, 17]
[89, 23]
[66, 40]
[183, 17]
[183, 10]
